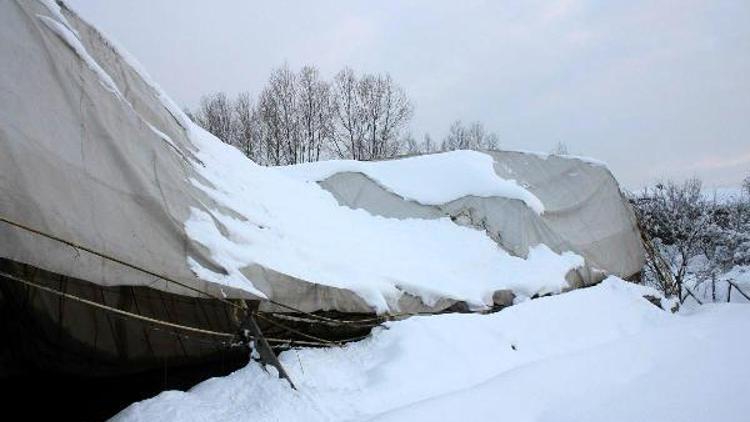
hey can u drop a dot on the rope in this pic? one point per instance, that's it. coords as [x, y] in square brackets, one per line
[149, 320]
[309, 336]
[113, 259]
[367, 321]
[364, 323]
[322, 318]
[163, 277]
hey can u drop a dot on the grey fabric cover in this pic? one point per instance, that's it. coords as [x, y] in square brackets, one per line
[82, 164]
[78, 162]
[584, 211]
[66, 336]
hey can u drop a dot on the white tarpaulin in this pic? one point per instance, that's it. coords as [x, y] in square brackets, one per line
[95, 153]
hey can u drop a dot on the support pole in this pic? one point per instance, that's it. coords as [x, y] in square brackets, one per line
[255, 339]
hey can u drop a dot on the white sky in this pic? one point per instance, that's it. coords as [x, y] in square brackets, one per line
[654, 88]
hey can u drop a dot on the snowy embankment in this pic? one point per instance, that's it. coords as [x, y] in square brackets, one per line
[599, 354]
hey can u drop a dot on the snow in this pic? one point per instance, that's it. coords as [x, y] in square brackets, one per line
[56, 12]
[703, 287]
[595, 354]
[62, 29]
[70, 36]
[432, 179]
[299, 229]
[739, 274]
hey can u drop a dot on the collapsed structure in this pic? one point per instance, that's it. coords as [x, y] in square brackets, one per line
[129, 236]
[572, 204]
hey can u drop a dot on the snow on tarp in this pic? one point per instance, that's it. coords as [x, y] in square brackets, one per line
[343, 259]
[63, 30]
[97, 173]
[299, 229]
[598, 354]
[295, 228]
[584, 210]
[433, 179]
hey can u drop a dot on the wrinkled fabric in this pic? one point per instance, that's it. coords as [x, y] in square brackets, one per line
[585, 211]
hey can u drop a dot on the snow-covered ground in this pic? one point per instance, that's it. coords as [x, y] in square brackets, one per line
[602, 353]
[598, 354]
[719, 289]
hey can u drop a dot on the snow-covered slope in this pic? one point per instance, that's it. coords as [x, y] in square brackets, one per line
[601, 353]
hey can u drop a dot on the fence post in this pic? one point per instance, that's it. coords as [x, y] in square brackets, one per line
[713, 287]
[729, 292]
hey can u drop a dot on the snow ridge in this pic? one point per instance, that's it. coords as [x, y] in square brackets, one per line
[433, 179]
[299, 229]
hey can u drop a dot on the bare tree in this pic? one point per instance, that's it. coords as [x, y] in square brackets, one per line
[316, 113]
[388, 110]
[410, 145]
[279, 117]
[370, 114]
[215, 115]
[457, 137]
[248, 133]
[349, 127]
[299, 117]
[560, 149]
[480, 139]
[474, 137]
[676, 217]
[428, 146]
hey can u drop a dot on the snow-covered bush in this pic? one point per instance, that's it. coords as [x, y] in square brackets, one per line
[698, 239]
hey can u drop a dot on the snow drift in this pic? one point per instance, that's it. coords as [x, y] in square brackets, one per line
[600, 353]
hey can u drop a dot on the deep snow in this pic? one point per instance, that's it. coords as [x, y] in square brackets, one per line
[601, 353]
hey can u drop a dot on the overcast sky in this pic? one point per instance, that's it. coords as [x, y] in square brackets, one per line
[657, 89]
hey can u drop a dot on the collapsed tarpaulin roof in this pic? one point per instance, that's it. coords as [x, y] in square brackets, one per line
[566, 203]
[95, 153]
[82, 157]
